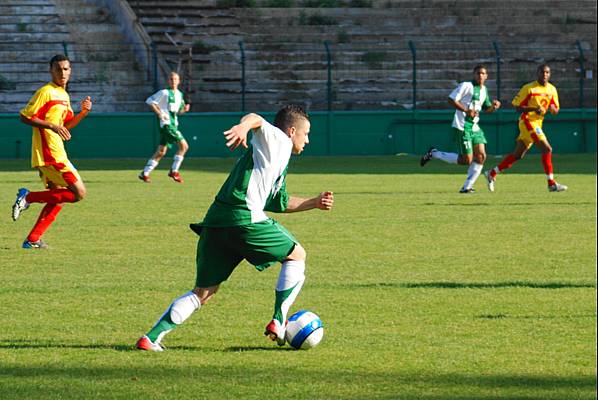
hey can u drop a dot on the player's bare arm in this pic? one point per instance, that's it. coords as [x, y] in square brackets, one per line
[184, 109]
[538, 110]
[495, 106]
[237, 135]
[62, 131]
[85, 109]
[324, 201]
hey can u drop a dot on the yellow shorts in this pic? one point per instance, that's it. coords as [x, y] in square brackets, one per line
[530, 133]
[59, 174]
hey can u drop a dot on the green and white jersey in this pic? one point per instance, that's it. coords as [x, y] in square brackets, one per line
[474, 97]
[170, 102]
[257, 182]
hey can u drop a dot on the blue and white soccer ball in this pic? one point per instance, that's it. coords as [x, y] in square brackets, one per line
[304, 330]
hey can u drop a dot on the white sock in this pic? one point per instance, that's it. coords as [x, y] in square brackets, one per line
[290, 281]
[450, 158]
[473, 172]
[149, 167]
[183, 307]
[176, 164]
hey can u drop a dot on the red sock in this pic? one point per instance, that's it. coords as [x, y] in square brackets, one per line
[53, 196]
[507, 162]
[547, 163]
[46, 217]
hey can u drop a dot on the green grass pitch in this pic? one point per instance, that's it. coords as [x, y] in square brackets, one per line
[425, 293]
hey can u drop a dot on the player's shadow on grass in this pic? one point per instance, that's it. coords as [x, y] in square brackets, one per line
[241, 349]
[33, 344]
[38, 344]
[478, 285]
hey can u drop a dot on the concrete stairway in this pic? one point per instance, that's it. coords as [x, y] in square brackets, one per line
[285, 56]
[32, 31]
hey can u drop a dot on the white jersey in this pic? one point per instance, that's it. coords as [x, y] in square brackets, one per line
[464, 94]
[257, 182]
[170, 102]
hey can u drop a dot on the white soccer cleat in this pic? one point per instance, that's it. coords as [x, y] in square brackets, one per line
[275, 332]
[20, 204]
[489, 180]
[557, 187]
[144, 343]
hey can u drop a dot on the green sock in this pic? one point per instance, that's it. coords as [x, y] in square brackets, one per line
[163, 326]
[281, 296]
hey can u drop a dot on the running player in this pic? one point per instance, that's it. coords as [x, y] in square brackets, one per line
[49, 113]
[168, 104]
[236, 226]
[533, 101]
[469, 98]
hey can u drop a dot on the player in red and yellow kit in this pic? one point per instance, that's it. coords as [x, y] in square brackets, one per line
[50, 114]
[533, 101]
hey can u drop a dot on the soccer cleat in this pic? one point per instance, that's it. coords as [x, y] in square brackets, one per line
[144, 343]
[468, 190]
[175, 176]
[426, 157]
[275, 332]
[20, 204]
[557, 187]
[39, 244]
[144, 178]
[489, 180]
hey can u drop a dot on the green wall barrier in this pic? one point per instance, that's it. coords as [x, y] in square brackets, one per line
[118, 135]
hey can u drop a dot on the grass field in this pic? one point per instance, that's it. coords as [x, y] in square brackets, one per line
[425, 293]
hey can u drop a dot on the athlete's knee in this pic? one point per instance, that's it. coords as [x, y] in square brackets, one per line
[161, 152]
[480, 158]
[464, 159]
[80, 192]
[183, 146]
[298, 253]
[204, 294]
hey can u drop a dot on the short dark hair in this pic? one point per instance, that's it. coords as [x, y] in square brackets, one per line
[542, 66]
[479, 67]
[58, 58]
[288, 116]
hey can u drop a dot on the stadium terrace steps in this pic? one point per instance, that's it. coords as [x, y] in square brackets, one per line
[285, 53]
[104, 67]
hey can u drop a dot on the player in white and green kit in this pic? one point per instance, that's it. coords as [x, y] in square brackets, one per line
[167, 104]
[469, 98]
[236, 226]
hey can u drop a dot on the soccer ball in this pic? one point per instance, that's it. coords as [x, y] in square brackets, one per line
[304, 330]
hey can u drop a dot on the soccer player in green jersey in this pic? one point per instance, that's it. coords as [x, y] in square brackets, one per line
[167, 104]
[469, 98]
[236, 226]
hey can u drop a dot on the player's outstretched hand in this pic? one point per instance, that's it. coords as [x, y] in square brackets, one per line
[325, 201]
[235, 136]
[86, 104]
[553, 109]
